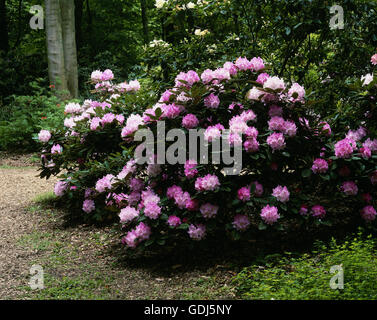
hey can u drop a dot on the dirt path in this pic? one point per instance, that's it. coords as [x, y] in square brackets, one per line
[18, 187]
[83, 262]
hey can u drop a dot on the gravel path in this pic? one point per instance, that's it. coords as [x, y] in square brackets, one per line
[18, 187]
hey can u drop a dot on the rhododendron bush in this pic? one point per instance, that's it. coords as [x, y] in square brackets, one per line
[296, 172]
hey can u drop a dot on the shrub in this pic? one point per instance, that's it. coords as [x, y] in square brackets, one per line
[308, 276]
[25, 116]
[296, 173]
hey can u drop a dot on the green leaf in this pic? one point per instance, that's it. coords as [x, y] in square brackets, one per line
[306, 173]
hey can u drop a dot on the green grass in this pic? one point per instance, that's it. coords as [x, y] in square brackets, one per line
[307, 277]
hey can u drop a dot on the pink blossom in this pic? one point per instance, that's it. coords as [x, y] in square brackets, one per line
[207, 183]
[281, 193]
[269, 214]
[60, 188]
[241, 222]
[128, 214]
[88, 206]
[231, 67]
[318, 211]
[190, 169]
[56, 148]
[107, 75]
[257, 64]
[107, 118]
[212, 101]
[174, 221]
[197, 232]
[344, 148]
[243, 194]
[94, 123]
[192, 205]
[297, 90]
[212, 133]
[243, 64]
[274, 83]
[251, 145]
[208, 210]
[190, 121]
[44, 136]
[276, 141]
[320, 166]
[368, 213]
[105, 183]
[370, 144]
[304, 209]
[349, 188]
[373, 59]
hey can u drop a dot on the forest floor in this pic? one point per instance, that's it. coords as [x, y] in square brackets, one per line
[83, 261]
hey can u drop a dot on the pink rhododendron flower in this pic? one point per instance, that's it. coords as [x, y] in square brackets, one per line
[212, 101]
[197, 232]
[107, 118]
[243, 194]
[281, 193]
[73, 108]
[190, 77]
[56, 148]
[304, 209]
[181, 199]
[257, 63]
[349, 188]
[190, 121]
[368, 213]
[128, 214]
[365, 152]
[325, 128]
[269, 214]
[251, 145]
[88, 206]
[258, 191]
[105, 183]
[133, 85]
[344, 148]
[208, 210]
[132, 124]
[318, 211]
[274, 83]
[320, 166]
[60, 188]
[255, 94]
[298, 91]
[172, 191]
[174, 221]
[212, 133]
[373, 59]
[276, 124]
[370, 144]
[192, 205]
[231, 67]
[243, 64]
[241, 222]
[276, 141]
[190, 169]
[107, 75]
[207, 183]
[96, 76]
[44, 136]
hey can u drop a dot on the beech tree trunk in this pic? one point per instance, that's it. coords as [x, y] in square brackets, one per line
[61, 46]
[69, 45]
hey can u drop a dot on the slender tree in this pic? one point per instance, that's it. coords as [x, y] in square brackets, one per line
[61, 46]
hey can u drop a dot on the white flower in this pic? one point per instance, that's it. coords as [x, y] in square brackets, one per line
[160, 3]
[368, 78]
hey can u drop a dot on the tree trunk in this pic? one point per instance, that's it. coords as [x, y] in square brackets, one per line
[55, 51]
[61, 47]
[69, 45]
[4, 43]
